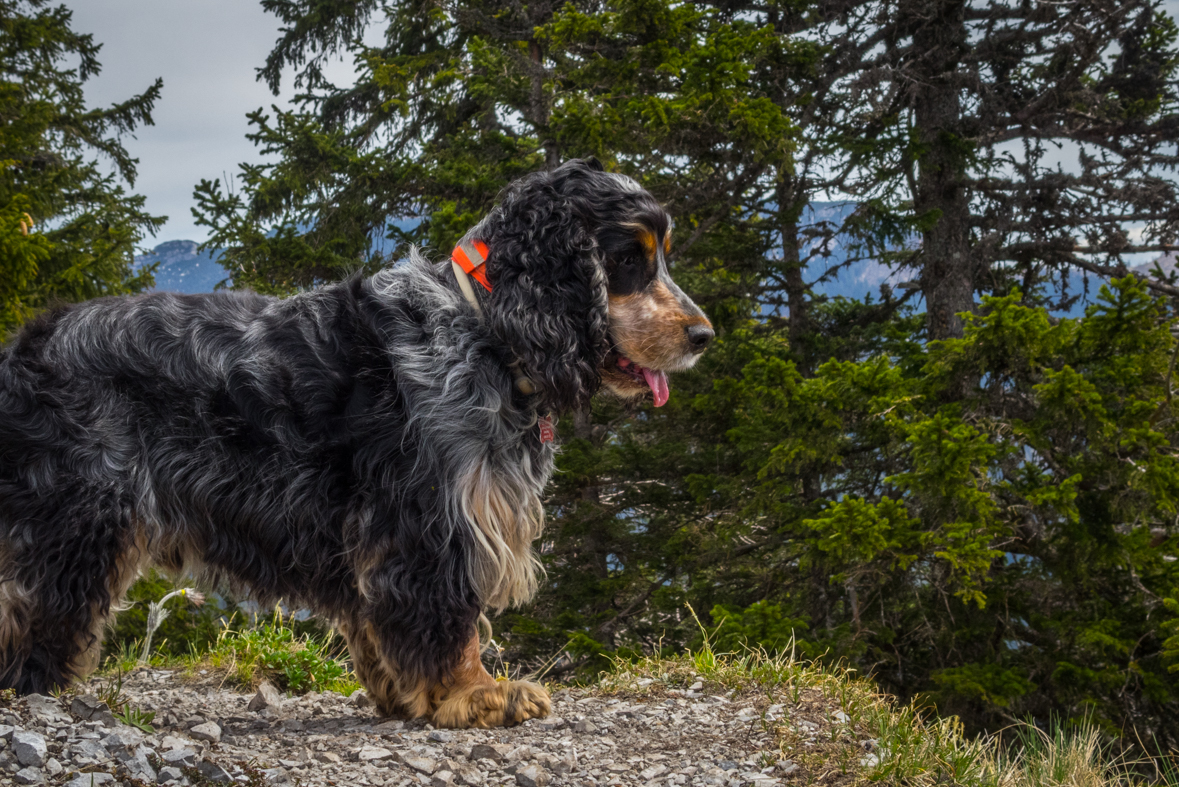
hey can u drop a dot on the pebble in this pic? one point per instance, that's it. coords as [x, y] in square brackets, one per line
[209, 731]
[421, 764]
[373, 753]
[29, 748]
[90, 780]
[28, 776]
[531, 776]
[266, 697]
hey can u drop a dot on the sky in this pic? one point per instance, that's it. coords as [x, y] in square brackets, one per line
[206, 51]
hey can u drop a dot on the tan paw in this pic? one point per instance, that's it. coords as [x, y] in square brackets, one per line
[503, 704]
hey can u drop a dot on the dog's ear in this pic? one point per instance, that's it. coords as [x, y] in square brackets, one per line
[548, 299]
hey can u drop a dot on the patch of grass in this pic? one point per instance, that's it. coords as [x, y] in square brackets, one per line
[137, 718]
[275, 651]
[841, 731]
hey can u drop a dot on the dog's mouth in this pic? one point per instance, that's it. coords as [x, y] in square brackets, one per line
[628, 378]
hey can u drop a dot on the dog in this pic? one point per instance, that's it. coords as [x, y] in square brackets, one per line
[374, 450]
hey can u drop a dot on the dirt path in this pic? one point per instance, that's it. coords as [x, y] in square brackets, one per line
[206, 734]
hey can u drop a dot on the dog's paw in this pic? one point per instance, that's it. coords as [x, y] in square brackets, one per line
[503, 704]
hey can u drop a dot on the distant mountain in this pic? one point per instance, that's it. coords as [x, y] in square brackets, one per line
[1166, 263]
[183, 268]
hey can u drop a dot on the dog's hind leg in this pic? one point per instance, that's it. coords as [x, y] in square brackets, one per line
[66, 564]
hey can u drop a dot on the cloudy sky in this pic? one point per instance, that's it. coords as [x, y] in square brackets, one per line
[206, 51]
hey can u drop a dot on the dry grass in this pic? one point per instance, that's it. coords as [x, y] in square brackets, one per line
[840, 731]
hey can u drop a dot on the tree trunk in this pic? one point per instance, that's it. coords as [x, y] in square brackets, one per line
[948, 272]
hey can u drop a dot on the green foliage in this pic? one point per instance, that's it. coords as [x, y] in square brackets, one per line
[762, 624]
[274, 650]
[80, 227]
[138, 718]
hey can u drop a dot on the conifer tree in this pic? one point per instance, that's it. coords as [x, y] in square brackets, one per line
[68, 229]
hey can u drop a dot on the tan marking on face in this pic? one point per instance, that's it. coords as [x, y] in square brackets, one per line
[649, 328]
[667, 243]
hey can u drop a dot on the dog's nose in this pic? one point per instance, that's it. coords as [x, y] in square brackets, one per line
[699, 336]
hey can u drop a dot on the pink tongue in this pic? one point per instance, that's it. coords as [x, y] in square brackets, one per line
[657, 381]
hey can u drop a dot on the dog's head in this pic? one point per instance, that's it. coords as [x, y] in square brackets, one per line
[580, 286]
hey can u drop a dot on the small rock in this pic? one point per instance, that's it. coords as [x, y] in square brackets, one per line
[421, 764]
[787, 766]
[90, 708]
[213, 772]
[551, 723]
[180, 757]
[169, 774]
[28, 776]
[727, 765]
[6, 731]
[88, 752]
[585, 726]
[440, 736]
[29, 748]
[469, 775]
[172, 742]
[90, 780]
[123, 740]
[209, 731]
[697, 686]
[496, 752]
[653, 772]
[267, 697]
[442, 779]
[361, 700]
[373, 753]
[388, 727]
[53, 767]
[840, 716]
[328, 756]
[47, 709]
[531, 776]
[141, 769]
[869, 761]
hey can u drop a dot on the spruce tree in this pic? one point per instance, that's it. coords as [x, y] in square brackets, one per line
[68, 228]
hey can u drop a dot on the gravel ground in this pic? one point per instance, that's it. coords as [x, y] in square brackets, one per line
[207, 734]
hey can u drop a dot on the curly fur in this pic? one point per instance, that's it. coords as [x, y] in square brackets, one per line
[359, 449]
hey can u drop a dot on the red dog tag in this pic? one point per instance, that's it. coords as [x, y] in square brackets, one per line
[547, 432]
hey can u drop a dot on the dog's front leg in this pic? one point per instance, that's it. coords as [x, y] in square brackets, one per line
[415, 648]
[472, 698]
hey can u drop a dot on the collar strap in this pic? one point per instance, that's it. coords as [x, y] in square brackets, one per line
[470, 256]
[467, 260]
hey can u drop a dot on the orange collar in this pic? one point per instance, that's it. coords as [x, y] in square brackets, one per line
[471, 256]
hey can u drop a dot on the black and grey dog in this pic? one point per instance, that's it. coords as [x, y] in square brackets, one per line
[374, 450]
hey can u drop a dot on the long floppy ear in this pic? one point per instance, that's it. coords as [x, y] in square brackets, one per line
[548, 300]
